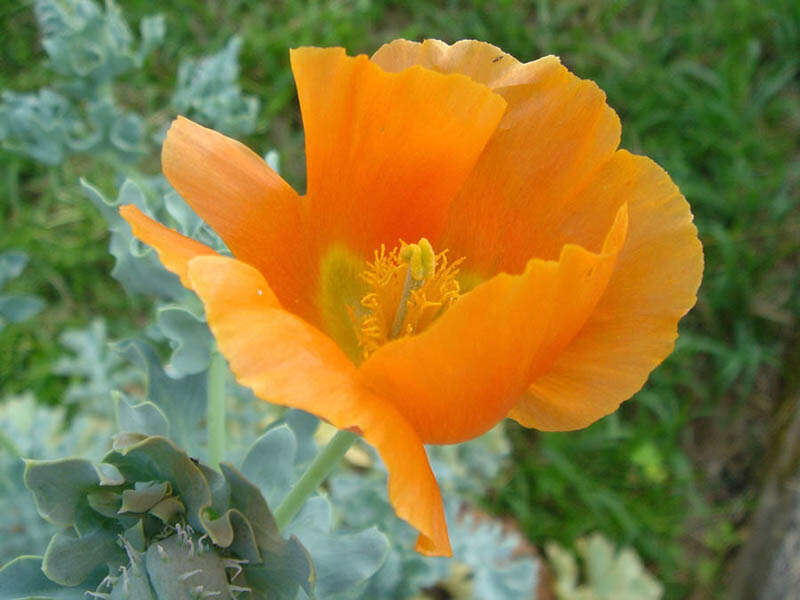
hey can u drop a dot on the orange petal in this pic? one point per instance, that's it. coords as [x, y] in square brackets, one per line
[461, 376]
[257, 214]
[634, 326]
[557, 131]
[174, 250]
[386, 152]
[288, 362]
[481, 62]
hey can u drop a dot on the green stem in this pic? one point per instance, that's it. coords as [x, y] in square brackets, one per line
[315, 475]
[215, 414]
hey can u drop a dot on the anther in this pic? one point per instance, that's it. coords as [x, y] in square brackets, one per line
[421, 259]
[421, 266]
[407, 288]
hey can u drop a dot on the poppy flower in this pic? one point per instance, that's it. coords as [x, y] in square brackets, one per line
[472, 245]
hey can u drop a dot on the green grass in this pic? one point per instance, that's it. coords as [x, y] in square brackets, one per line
[709, 89]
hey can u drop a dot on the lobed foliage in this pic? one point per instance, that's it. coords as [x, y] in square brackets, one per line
[149, 521]
[716, 104]
[15, 308]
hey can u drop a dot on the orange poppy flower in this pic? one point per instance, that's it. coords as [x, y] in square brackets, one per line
[562, 264]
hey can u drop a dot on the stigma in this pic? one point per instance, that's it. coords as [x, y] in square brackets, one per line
[408, 288]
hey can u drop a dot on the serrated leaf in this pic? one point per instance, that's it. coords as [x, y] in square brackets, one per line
[366, 550]
[247, 498]
[109, 475]
[126, 133]
[304, 425]
[105, 502]
[83, 41]
[92, 366]
[181, 400]
[363, 553]
[125, 439]
[23, 579]
[69, 560]
[281, 576]
[42, 125]
[168, 510]
[286, 562]
[220, 491]
[59, 487]
[158, 459]
[190, 339]
[490, 553]
[35, 431]
[233, 530]
[142, 417]
[137, 267]
[208, 92]
[315, 515]
[269, 463]
[144, 496]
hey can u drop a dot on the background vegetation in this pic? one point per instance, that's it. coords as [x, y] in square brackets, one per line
[709, 89]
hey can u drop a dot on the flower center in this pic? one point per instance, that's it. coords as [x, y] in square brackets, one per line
[408, 288]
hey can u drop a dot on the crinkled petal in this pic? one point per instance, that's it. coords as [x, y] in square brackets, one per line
[386, 152]
[288, 362]
[520, 200]
[256, 213]
[173, 249]
[481, 62]
[463, 374]
[634, 326]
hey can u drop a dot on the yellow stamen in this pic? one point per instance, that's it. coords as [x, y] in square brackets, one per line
[408, 288]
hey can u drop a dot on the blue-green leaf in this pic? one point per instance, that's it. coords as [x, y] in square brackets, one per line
[140, 417]
[189, 337]
[23, 579]
[269, 463]
[59, 487]
[70, 559]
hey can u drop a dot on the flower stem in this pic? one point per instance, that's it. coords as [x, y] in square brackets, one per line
[316, 474]
[215, 413]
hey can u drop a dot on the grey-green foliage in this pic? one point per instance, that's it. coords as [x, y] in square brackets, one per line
[467, 470]
[208, 91]
[272, 463]
[43, 125]
[94, 368]
[482, 548]
[175, 407]
[344, 559]
[137, 266]
[488, 550]
[608, 574]
[150, 508]
[88, 47]
[40, 432]
[48, 127]
[179, 320]
[15, 308]
[189, 337]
